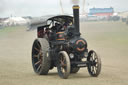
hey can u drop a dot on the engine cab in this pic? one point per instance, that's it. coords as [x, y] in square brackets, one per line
[63, 33]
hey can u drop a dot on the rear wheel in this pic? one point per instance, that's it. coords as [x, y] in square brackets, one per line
[94, 66]
[40, 56]
[63, 66]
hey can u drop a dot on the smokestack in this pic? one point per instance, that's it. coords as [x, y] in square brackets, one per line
[76, 18]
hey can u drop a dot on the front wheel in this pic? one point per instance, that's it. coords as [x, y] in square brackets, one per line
[63, 66]
[94, 66]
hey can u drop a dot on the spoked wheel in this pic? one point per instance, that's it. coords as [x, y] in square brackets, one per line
[40, 58]
[63, 66]
[94, 66]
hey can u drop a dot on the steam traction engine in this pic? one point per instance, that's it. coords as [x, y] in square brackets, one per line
[60, 45]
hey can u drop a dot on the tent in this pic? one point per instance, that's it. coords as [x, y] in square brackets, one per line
[13, 21]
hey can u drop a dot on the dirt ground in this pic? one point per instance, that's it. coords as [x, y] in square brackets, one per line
[109, 39]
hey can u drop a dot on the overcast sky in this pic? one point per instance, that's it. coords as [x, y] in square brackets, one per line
[49, 7]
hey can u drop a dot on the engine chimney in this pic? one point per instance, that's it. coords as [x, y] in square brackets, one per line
[76, 19]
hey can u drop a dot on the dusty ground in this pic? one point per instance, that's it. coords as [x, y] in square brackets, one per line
[110, 40]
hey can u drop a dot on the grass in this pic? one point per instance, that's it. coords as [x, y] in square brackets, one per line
[115, 32]
[7, 30]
